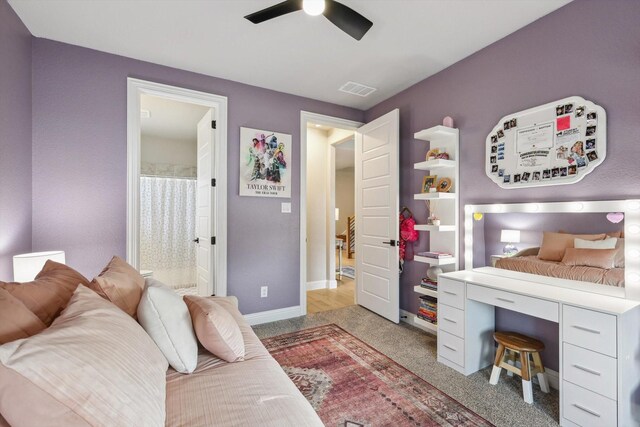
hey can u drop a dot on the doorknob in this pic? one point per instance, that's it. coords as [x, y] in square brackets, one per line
[390, 243]
[196, 240]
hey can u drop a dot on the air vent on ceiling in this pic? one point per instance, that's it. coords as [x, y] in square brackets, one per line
[357, 89]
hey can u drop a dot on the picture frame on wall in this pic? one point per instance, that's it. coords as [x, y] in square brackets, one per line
[265, 163]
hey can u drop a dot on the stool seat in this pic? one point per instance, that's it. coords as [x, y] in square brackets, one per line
[518, 342]
[512, 348]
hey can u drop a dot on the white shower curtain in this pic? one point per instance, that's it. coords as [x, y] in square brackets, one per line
[167, 229]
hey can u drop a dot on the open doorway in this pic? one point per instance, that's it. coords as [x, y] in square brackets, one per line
[330, 218]
[168, 191]
[176, 186]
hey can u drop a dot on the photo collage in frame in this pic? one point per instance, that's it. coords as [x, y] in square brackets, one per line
[556, 143]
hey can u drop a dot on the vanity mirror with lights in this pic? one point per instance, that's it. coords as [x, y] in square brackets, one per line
[597, 315]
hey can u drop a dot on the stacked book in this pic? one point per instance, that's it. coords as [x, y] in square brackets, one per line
[429, 284]
[428, 310]
[434, 254]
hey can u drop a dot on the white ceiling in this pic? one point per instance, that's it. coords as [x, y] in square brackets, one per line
[170, 119]
[296, 53]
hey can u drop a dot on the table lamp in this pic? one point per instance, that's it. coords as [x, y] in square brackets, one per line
[510, 237]
[27, 266]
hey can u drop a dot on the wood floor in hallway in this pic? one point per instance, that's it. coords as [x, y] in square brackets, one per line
[330, 299]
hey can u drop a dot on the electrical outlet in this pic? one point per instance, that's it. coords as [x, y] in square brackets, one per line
[264, 291]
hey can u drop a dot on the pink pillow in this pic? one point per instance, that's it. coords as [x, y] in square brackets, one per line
[16, 320]
[215, 328]
[554, 244]
[121, 284]
[619, 261]
[599, 258]
[48, 294]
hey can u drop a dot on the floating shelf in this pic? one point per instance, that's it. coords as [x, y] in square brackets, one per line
[434, 164]
[425, 227]
[437, 134]
[425, 324]
[434, 196]
[424, 291]
[435, 261]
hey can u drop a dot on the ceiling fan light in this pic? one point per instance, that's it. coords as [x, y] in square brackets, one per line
[313, 7]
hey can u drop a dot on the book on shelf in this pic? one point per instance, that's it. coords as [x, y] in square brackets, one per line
[429, 284]
[434, 254]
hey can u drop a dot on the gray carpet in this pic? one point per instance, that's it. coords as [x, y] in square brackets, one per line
[416, 351]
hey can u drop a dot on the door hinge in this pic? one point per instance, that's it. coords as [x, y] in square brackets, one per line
[213, 182]
[213, 124]
[213, 240]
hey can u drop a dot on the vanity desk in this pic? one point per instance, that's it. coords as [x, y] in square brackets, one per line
[599, 336]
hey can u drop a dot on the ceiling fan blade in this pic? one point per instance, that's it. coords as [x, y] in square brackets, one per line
[347, 19]
[274, 11]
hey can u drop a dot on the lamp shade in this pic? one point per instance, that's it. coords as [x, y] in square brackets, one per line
[510, 236]
[27, 266]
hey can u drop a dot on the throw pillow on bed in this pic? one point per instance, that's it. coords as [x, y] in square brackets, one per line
[48, 294]
[599, 258]
[16, 320]
[121, 284]
[609, 243]
[93, 366]
[555, 244]
[216, 328]
[165, 317]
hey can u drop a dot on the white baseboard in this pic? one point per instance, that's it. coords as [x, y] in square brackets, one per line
[333, 284]
[273, 315]
[552, 376]
[318, 284]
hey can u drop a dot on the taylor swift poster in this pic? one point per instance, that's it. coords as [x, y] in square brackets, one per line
[265, 169]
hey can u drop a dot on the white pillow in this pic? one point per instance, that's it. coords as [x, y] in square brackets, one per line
[165, 317]
[609, 243]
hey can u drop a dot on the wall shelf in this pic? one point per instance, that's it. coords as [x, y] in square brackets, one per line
[435, 261]
[434, 196]
[424, 291]
[437, 134]
[425, 324]
[434, 228]
[434, 164]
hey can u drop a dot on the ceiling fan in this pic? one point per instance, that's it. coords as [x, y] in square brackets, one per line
[343, 17]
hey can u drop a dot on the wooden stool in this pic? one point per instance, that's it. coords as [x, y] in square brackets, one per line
[525, 346]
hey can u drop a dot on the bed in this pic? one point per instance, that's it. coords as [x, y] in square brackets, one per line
[527, 261]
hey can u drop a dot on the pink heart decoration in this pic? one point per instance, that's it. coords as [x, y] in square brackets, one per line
[615, 217]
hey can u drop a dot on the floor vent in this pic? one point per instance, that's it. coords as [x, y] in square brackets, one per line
[357, 89]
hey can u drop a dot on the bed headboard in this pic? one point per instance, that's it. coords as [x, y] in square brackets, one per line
[630, 209]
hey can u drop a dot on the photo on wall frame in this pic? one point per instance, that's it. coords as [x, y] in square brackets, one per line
[265, 163]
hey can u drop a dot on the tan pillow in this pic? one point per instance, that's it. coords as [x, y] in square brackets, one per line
[554, 244]
[121, 284]
[599, 258]
[16, 320]
[94, 366]
[215, 328]
[619, 260]
[616, 234]
[48, 294]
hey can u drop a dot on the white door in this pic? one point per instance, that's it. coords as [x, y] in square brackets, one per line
[205, 202]
[377, 205]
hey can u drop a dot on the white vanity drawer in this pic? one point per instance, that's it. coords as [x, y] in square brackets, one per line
[451, 320]
[591, 370]
[451, 292]
[523, 304]
[451, 347]
[587, 409]
[589, 329]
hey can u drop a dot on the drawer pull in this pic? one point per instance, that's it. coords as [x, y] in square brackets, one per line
[591, 371]
[449, 347]
[588, 411]
[583, 328]
[449, 292]
[449, 320]
[506, 300]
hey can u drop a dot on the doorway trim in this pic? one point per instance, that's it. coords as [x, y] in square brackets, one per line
[306, 118]
[218, 104]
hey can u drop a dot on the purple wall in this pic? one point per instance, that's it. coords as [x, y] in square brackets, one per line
[79, 167]
[15, 139]
[587, 48]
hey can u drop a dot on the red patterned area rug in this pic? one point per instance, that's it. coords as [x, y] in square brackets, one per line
[351, 384]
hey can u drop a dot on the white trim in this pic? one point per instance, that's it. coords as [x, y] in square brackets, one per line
[135, 88]
[305, 118]
[318, 284]
[630, 208]
[333, 284]
[273, 315]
